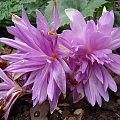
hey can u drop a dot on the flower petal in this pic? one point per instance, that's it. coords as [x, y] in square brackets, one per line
[16, 44]
[50, 88]
[59, 76]
[5, 78]
[55, 18]
[77, 22]
[41, 22]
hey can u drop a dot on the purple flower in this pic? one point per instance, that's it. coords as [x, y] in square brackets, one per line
[91, 46]
[38, 54]
[9, 92]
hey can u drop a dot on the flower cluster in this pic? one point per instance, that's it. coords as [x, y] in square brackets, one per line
[48, 61]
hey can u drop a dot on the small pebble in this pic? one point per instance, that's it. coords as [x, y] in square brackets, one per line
[118, 101]
[72, 118]
[37, 114]
[78, 112]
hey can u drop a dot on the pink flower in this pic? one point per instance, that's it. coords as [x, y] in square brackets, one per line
[9, 92]
[91, 46]
[39, 54]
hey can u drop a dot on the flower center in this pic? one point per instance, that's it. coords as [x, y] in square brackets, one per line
[54, 56]
[53, 33]
[89, 51]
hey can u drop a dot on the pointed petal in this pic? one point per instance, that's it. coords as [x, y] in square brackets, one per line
[31, 79]
[41, 22]
[102, 92]
[55, 18]
[98, 73]
[114, 44]
[65, 66]
[107, 18]
[54, 102]
[59, 76]
[104, 10]
[16, 44]
[40, 78]
[24, 66]
[5, 78]
[77, 21]
[50, 88]
[12, 57]
[111, 83]
[42, 94]
[25, 17]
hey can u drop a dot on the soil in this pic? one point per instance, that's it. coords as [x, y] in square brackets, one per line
[68, 111]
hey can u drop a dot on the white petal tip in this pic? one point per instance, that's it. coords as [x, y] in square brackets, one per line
[70, 12]
[104, 10]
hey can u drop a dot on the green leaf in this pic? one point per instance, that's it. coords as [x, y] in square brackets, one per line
[117, 18]
[15, 6]
[1, 45]
[92, 5]
[11, 6]
[87, 7]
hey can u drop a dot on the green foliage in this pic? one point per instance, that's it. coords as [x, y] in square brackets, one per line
[117, 12]
[87, 7]
[117, 18]
[14, 6]
[11, 6]
[1, 45]
[92, 5]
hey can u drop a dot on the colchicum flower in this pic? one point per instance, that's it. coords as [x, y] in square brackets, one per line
[91, 45]
[39, 55]
[9, 92]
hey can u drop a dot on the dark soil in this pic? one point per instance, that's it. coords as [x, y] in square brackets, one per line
[66, 111]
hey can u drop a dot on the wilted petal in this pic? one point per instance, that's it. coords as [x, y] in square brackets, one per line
[8, 111]
[76, 96]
